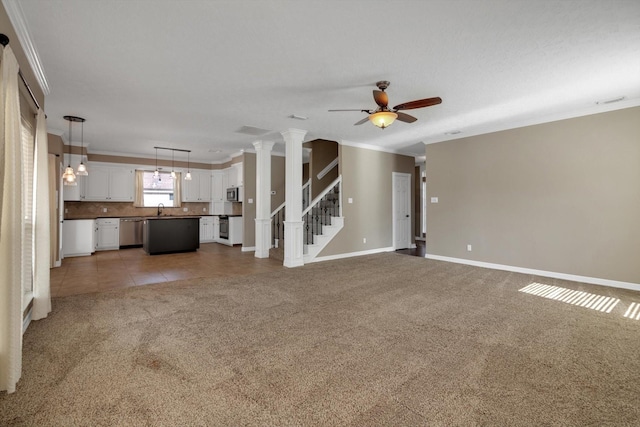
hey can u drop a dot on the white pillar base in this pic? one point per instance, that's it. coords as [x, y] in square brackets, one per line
[293, 241]
[263, 238]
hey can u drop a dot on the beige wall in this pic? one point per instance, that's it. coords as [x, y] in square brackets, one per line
[249, 209]
[561, 197]
[56, 145]
[366, 177]
[322, 153]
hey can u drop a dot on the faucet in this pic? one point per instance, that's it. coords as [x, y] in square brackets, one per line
[160, 207]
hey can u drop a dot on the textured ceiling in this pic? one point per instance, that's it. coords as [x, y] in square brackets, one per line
[197, 74]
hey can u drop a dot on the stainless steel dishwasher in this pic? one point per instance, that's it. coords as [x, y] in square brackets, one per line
[130, 232]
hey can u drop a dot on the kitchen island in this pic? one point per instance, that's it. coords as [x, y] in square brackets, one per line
[163, 235]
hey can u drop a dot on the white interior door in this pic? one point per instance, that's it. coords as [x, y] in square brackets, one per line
[401, 183]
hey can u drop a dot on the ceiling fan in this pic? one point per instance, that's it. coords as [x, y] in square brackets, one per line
[383, 116]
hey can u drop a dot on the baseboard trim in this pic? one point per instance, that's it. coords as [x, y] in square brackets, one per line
[248, 249]
[544, 273]
[351, 254]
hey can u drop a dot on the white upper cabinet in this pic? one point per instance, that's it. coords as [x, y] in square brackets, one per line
[109, 183]
[220, 184]
[235, 175]
[198, 189]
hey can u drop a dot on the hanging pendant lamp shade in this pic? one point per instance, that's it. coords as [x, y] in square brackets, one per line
[187, 177]
[156, 173]
[82, 169]
[69, 177]
[173, 173]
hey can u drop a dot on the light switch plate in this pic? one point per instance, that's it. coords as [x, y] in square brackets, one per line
[434, 200]
[350, 200]
[250, 200]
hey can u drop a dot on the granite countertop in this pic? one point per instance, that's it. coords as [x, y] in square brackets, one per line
[149, 216]
[173, 217]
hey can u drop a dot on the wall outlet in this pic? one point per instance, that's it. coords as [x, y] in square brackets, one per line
[469, 248]
[104, 210]
[434, 200]
[66, 211]
[204, 209]
[185, 209]
[364, 240]
[250, 200]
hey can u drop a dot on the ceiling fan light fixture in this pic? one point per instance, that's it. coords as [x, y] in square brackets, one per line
[383, 119]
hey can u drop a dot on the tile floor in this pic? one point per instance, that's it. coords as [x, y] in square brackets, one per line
[107, 270]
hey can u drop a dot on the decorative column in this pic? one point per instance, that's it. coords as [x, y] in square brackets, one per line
[263, 198]
[293, 224]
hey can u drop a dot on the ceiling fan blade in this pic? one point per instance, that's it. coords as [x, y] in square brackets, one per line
[365, 120]
[420, 103]
[404, 117]
[381, 98]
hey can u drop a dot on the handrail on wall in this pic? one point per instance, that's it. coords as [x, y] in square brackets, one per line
[327, 168]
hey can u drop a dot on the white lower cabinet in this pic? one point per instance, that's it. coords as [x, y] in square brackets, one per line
[216, 228]
[77, 237]
[235, 230]
[107, 234]
[206, 229]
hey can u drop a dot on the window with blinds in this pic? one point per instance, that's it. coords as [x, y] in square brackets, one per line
[28, 142]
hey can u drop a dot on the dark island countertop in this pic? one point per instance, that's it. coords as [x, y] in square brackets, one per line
[170, 234]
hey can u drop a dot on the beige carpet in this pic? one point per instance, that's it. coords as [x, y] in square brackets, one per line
[378, 340]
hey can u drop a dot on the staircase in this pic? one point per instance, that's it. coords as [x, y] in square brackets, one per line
[322, 222]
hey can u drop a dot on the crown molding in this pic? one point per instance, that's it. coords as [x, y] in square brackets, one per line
[371, 147]
[536, 120]
[16, 16]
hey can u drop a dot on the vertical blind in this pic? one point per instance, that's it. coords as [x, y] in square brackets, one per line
[28, 141]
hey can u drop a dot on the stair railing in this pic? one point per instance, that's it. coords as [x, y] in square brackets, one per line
[319, 212]
[277, 225]
[306, 194]
[277, 216]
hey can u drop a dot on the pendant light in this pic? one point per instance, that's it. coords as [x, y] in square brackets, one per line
[173, 173]
[187, 177]
[157, 171]
[68, 177]
[82, 169]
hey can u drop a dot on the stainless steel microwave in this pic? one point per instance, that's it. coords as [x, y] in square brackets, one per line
[234, 194]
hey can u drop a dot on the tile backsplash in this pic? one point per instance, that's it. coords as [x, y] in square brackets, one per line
[81, 210]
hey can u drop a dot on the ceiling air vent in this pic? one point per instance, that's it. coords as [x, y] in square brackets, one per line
[250, 130]
[610, 101]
